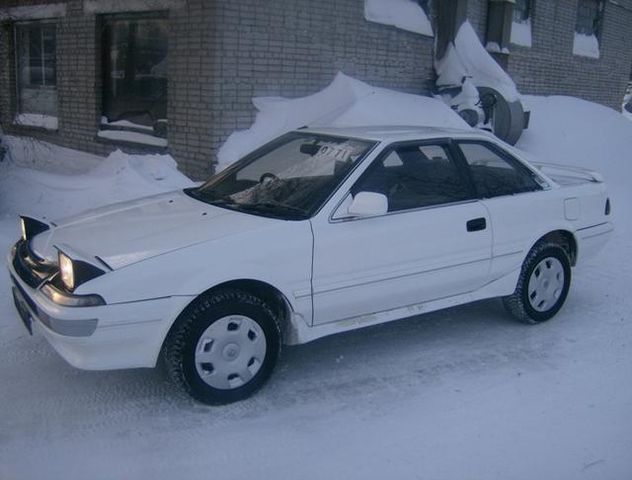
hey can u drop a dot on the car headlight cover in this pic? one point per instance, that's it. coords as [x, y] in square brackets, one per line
[75, 269]
[23, 228]
[67, 271]
[31, 227]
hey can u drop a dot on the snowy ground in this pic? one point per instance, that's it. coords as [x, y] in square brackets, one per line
[465, 393]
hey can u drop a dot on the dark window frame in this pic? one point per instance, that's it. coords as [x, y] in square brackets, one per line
[448, 145]
[504, 155]
[106, 21]
[16, 27]
[581, 19]
[526, 13]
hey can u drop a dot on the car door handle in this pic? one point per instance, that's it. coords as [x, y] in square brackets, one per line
[476, 224]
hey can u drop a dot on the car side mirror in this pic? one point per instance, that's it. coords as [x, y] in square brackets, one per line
[368, 204]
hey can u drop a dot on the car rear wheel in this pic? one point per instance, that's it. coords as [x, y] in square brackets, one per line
[543, 285]
[223, 347]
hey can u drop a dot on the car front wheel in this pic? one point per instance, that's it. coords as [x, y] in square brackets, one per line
[223, 347]
[543, 284]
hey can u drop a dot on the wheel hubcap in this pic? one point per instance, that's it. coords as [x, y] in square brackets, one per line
[230, 352]
[546, 284]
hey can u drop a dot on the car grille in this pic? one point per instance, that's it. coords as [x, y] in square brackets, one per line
[30, 269]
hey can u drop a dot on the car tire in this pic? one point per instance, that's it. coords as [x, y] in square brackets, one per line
[223, 347]
[543, 284]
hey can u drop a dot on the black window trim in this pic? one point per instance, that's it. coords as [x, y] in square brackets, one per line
[598, 20]
[103, 21]
[54, 21]
[502, 153]
[528, 12]
[446, 142]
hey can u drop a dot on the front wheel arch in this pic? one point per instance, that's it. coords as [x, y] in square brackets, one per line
[179, 352]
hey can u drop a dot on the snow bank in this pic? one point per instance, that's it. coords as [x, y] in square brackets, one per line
[404, 14]
[37, 120]
[468, 58]
[116, 178]
[345, 102]
[570, 131]
[31, 153]
[521, 33]
[586, 45]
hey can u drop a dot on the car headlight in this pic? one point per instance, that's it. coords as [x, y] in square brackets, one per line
[67, 271]
[73, 271]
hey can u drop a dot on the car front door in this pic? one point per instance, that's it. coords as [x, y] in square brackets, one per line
[433, 242]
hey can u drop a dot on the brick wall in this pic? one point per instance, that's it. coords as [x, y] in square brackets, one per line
[224, 52]
[221, 54]
[274, 47]
[549, 67]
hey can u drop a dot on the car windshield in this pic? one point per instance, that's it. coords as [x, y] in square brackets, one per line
[289, 178]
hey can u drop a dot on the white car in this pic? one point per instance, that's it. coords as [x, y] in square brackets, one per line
[318, 232]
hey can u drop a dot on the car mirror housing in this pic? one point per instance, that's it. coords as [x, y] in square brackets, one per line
[368, 204]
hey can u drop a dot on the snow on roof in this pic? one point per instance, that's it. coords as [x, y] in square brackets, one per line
[586, 45]
[394, 132]
[404, 14]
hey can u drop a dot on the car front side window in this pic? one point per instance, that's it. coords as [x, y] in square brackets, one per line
[494, 173]
[415, 176]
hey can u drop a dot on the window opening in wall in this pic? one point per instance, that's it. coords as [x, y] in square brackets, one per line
[588, 28]
[134, 54]
[36, 74]
[521, 24]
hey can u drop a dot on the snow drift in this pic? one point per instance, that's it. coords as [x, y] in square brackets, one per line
[41, 189]
[345, 102]
[468, 58]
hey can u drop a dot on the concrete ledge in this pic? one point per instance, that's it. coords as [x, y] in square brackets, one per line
[34, 12]
[121, 6]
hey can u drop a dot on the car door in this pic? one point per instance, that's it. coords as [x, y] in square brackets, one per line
[519, 208]
[433, 242]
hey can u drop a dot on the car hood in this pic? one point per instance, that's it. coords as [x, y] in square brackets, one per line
[128, 232]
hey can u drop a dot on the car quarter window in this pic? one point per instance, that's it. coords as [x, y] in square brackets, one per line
[414, 176]
[495, 173]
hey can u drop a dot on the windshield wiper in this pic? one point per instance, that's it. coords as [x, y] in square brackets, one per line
[204, 197]
[275, 208]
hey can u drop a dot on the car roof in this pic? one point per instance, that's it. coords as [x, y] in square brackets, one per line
[395, 133]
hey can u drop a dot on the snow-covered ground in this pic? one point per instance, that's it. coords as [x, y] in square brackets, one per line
[466, 393]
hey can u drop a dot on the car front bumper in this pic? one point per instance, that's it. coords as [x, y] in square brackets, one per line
[104, 337]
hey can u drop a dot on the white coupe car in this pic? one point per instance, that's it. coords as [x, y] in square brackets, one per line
[320, 231]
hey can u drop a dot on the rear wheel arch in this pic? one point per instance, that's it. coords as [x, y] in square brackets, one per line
[563, 238]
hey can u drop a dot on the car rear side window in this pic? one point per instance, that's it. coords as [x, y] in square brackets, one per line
[495, 173]
[415, 176]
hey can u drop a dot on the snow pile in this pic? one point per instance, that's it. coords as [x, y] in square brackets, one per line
[116, 178]
[521, 33]
[132, 137]
[570, 131]
[31, 153]
[37, 120]
[468, 58]
[404, 14]
[345, 102]
[586, 45]
[494, 47]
